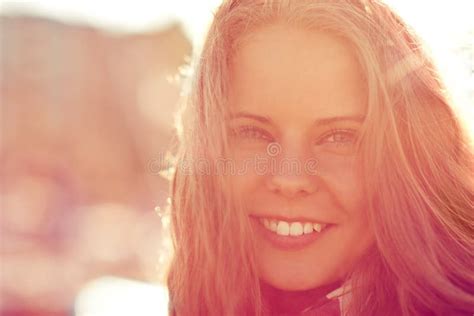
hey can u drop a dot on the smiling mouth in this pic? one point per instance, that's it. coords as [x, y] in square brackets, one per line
[290, 235]
[294, 228]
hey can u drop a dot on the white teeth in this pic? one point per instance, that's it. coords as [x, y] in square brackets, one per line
[273, 226]
[266, 223]
[296, 229]
[319, 227]
[308, 228]
[283, 228]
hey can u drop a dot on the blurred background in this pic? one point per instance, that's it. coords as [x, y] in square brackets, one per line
[88, 90]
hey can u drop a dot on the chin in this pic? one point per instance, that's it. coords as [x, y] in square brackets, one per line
[292, 282]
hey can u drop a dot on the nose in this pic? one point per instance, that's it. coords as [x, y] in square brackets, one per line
[291, 186]
[290, 177]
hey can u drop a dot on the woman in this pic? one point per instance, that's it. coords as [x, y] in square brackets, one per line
[321, 170]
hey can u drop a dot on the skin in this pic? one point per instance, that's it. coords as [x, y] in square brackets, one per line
[285, 80]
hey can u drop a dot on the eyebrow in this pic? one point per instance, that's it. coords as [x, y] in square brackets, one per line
[321, 121]
[262, 119]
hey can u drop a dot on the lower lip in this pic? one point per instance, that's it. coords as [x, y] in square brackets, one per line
[290, 243]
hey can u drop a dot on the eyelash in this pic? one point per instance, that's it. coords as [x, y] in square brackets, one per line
[348, 132]
[250, 131]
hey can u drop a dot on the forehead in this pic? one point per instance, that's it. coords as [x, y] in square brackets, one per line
[278, 70]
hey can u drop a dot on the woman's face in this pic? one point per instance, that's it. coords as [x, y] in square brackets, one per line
[298, 100]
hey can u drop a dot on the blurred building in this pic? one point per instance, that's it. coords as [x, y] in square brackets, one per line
[83, 115]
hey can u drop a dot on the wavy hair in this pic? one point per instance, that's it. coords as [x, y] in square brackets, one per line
[416, 157]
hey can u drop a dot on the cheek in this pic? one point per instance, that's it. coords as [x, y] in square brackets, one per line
[245, 177]
[356, 231]
[342, 179]
[344, 184]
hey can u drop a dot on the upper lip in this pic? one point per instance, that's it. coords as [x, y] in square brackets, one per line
[290, 219]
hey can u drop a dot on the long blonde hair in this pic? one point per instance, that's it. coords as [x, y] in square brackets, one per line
[417, 162]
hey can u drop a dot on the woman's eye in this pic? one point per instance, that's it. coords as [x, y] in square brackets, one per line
[340, 137]
[339, 141]
[253, 133]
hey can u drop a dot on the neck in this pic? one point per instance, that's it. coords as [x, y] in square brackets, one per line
[284, 301]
